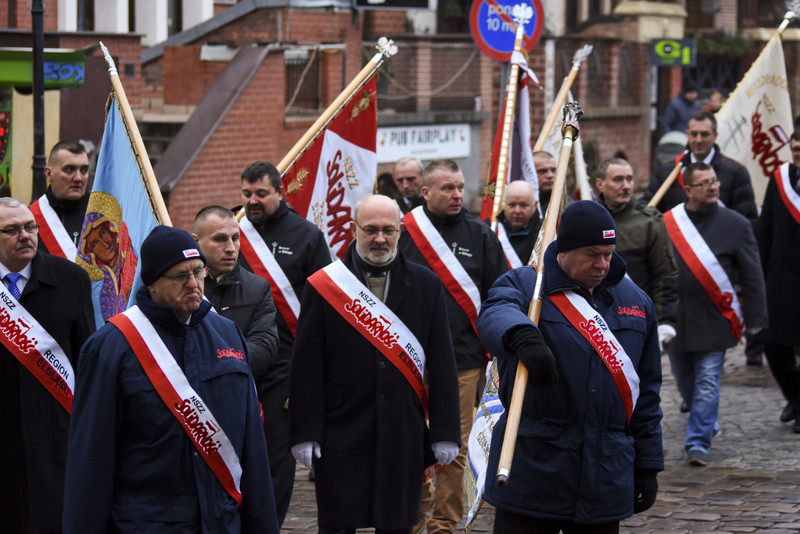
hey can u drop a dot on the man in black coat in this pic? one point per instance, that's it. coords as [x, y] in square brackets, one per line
[65, 200]
[735, 188]
[57, 294]
[520, 222]
[779, 243]
[245, 299]
[372, 335]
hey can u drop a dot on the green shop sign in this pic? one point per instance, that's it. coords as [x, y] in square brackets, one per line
[62, 68]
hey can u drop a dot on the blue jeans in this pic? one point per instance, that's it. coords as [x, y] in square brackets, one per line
[698, 376]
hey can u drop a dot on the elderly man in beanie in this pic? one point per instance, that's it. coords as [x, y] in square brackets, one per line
[589, 441]
[165, 434]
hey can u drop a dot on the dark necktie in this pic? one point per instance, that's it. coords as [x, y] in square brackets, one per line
[12, 279]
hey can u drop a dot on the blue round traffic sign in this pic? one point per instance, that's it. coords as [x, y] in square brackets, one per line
[493, 27]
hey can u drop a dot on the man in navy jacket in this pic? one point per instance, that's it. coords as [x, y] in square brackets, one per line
[589, 442]
[137, 462]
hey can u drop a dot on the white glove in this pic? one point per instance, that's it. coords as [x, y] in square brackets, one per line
[302, 452]
[665, 333]
[444, 451]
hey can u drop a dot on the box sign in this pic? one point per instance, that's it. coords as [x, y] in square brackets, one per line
[424, 142]
[62, 68]
[391, 4]
[673, 52]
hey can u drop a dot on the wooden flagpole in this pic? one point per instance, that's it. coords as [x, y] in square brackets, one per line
[137, 145]
[522, 14]
[790, 15]
[561, 97]
[386, 48]
[572, 114]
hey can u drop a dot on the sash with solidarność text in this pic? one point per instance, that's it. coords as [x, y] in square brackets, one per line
[444, 263]
[51, 231]
[513, 260]
[596, 331]
[263, 263]
[181, 399]
[789, 196]
[373, 319]
[704, 266]
[35, 349]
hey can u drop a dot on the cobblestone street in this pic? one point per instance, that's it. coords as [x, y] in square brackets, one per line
[751, 484]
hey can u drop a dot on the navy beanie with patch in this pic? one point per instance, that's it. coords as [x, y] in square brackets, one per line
[164, 247]
[585, 224]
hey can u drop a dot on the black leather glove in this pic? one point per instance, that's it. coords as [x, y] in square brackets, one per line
[645, 489]
[529, 346]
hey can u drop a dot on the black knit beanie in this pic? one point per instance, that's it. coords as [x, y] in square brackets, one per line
[584, 224]
[164, 247]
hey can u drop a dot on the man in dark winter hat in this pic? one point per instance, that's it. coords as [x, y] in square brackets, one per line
[166, 432]
[589, 442]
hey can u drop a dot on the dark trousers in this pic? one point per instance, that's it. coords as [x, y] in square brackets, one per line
[506, 522]
[783, 364]
[276, 430]
[325, 530]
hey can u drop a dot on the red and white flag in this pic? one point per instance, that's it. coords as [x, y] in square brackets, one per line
[755, 123]
[337, 169]
[520, 157]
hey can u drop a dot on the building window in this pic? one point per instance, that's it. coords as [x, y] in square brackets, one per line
[86, 15]
[303, 91]
[174, 16]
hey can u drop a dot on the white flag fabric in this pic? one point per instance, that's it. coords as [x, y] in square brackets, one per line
[755, 123]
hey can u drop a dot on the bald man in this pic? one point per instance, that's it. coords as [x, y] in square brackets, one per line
[519, 222]
[372, 356]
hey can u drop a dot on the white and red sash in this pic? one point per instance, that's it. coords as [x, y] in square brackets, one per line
[444, 263]
[513, 260]
[596, 331]
[263, 263]
[35, 349]
[789, 196]
[183, 402]
[373, 319]
[52, 231]
[704, 266]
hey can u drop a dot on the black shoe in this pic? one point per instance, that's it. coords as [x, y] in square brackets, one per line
[755, 360]
[684, 407]
[788, 413]
[796, 426]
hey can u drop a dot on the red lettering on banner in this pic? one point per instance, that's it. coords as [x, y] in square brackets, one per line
[202, 433]
[339, 223]
[230, 353]
[606, 349]
[373, 325]
[16, 332]
[762, 145]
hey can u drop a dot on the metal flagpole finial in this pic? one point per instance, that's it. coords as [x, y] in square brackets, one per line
[792, 9]
[572, 114]
[112, 69]
[386, 47]
[522, 13]
[581, 54]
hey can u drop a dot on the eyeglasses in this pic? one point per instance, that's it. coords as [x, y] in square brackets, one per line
[371, 231]
[796, 149]
[181, 278]
[14, 231]
[704, 185]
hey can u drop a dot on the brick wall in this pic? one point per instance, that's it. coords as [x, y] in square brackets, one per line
[23, 19]
[186, 79]
[379, 23]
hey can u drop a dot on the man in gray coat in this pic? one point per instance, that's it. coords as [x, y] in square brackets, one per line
[716, 254]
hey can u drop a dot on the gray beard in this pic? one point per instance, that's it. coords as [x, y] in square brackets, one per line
[372, 263]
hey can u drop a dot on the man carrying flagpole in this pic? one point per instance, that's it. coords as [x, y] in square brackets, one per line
[60, 211]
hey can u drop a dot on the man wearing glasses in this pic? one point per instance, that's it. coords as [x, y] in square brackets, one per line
[166, 430]
[468, 258]
[779, 242]
[720, 296]
[46, 316]
[373, 358]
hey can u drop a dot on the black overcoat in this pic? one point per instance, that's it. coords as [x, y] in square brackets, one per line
[348, 397]
[33, 448]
